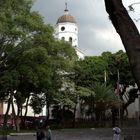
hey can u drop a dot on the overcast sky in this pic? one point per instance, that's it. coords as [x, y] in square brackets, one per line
[96, 33]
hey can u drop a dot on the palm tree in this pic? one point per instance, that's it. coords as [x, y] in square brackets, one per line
[105, 98]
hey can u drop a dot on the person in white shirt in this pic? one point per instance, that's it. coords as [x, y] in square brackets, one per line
[116, 132]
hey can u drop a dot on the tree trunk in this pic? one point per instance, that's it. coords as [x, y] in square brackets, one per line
[4, 129]
[7, 111]
[114, 114]
[74, 116]
[48, 110]
[16, 121]
[128, 32]
[26, 107]
[25, 114]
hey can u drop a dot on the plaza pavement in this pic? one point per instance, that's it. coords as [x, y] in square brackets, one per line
[72, 134]
[83, 134]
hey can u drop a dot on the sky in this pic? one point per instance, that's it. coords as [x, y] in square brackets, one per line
[96, 33]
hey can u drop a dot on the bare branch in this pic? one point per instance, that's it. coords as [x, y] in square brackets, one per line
[137, 19]
[135, 3]
[131, 6]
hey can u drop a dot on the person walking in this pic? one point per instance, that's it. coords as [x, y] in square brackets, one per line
[116, 132]
[40, 134]
[48, 134]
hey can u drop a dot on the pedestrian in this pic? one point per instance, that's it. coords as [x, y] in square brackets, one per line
[116, 132]
[48, 134]
[139, 119]
[40, 134]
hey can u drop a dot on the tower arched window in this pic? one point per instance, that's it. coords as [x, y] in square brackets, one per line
[70, 39]
[62, 28]
[63, 38]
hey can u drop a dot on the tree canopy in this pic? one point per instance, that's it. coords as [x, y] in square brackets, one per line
[31, 59]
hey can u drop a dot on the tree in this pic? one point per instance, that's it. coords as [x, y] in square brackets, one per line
[115, 61]
[120, 78]
[18, 27]
[95, 69]
[86, 100]
[30, 57]
[89, 71]
[128, 32]
[37, 103]
[104, 99]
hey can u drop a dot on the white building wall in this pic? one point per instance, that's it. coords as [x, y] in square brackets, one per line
[139, 104]
[80, 54]
[29, 112]
[133, 108]
[70, 30]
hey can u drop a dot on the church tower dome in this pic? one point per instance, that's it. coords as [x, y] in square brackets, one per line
[66, 17]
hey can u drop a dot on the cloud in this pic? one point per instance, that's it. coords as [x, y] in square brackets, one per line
[96, 33]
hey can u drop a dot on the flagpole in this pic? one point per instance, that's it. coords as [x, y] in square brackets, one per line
[105, 76]
[118, 80]
[118, 93]
[118, 74]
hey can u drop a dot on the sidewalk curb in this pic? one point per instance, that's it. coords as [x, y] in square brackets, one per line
[22, 134]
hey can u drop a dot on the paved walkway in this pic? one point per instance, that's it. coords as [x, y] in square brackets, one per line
[73, 134]
[83, 134]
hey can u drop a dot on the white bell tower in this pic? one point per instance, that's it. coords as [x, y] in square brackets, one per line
[66, 28]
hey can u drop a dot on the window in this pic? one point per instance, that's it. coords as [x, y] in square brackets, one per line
[63, 38]
[62, 28]
[70, 39]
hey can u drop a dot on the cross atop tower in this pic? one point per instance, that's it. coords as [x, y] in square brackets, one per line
[66, 9]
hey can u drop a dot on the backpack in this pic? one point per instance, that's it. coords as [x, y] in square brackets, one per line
[117, 130]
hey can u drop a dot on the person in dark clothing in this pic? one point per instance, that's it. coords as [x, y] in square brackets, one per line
[40, 134]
